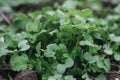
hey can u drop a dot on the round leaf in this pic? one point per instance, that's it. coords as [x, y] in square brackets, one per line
[69, 62]
[23, 45]
[61, 68]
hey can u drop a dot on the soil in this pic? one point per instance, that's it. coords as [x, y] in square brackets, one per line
[26, 75]
[113, 75]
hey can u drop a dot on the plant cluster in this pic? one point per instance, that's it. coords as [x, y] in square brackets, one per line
[63, 43]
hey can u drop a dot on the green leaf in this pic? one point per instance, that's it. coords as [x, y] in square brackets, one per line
[21, 17]
[58, 76]
[38, 47]
[103, 33]
[51, 78]
[3, 49]
[62, 48]
[69, 77]
[94, 49]
[69, 4]
[108, 51]
[100, 63]
[1, 39]
[60, 13]
[103, 64]
[23, 46]
[86, 13]
[86, 76]
[52, 47]
[75, 52]
[32, 27]
[65, 21]
[61, 68]
[88, 43]
[51, 50]
[53, 32]
[19, 62]
[117, 9]
[49, 53]
[115, 46]
[69, 62]
[93, 59]
[9, 39]
[107, 64]
[66, 27]
[4, 52]
[114, 38]
[3, 45]
[51, 13]
[87, 56]
[101, 77]
[79, 20]
[117, 56]
[33, 15]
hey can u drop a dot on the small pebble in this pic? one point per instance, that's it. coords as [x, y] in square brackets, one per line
[117, 79]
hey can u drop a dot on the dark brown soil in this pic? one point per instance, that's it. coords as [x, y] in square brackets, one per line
[26, 75]
[113, 75]
[33, 7]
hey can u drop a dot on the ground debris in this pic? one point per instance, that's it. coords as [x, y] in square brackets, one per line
[26, 75]
[113, 75]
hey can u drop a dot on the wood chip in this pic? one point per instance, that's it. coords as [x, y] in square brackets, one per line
[5, 18]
